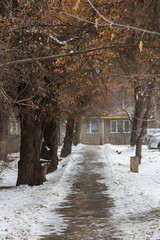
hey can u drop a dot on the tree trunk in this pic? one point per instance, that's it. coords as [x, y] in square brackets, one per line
[29, 166]
[139, 140]
[77, 132]
[144, 124]
[3, 135]
[67, 145]
[139, 149]
[50, 144]
[137, 118]
[134, 128]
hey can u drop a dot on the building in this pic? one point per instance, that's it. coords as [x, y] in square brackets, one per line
[109, 129]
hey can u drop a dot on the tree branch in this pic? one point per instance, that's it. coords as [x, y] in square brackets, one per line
[50, 58]
[29, 26]
[122, 25]
[70, 54]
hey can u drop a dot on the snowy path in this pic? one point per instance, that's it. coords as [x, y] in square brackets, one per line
[86, 208]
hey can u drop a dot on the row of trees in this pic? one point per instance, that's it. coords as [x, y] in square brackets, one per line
[59, 56]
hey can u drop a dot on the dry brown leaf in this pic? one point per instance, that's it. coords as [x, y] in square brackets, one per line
[96, 22]
[77, 4]
[140, 46]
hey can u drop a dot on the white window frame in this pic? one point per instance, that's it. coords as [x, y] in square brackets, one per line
[90, 127]
[116, 121]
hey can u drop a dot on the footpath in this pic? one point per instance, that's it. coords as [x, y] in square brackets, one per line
[86, 210]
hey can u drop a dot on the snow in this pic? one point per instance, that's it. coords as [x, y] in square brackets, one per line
[28, 212]
[135, 194]
[57, 40]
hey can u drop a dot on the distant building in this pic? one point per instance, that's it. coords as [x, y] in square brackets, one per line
[115, 128]
[111, 129]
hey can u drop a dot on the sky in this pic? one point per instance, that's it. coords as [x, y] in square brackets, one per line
[26, 212]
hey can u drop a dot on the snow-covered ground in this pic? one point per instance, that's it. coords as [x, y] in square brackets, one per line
[136, 195]
[25, 212]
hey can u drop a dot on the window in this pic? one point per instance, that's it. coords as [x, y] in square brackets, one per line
[120, 126]
[92, 126]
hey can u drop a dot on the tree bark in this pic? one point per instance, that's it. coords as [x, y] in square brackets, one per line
[134, 127]
[139, 106]
[77, 132]
[139, 140]
[139, 149]
[29, 166]
[144, 124]
[3, 134]
[50, 144]
[67, 145]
